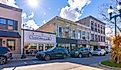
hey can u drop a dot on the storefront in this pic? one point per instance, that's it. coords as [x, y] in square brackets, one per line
[94, 45]
[102, 45]
[38, 41]
[10, 40]
[70, 44]
[83, 43]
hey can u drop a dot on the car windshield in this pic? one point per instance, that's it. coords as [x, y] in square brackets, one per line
[51, 48]
[98, 50]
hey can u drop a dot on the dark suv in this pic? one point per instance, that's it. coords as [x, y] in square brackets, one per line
[53, 53]
[5, 54]
[81, 52]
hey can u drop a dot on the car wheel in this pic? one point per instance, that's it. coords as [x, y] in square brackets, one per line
[3, 60]
[104, 54]
[89, 55]
[64, 56]
[47, 57]
[80, 55]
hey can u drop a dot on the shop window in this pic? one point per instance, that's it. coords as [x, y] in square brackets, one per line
[74, 34]
[3, 23]
[60, 31]
[11, 44]
[0, 42]
[73, 47]
[48, 46]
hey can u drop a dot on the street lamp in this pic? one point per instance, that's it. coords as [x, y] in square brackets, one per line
[23, 54]
[110, 11]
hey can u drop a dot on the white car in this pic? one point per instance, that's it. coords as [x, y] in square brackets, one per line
[99, 52]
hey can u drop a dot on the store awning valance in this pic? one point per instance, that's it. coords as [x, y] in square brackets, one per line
[9, 34]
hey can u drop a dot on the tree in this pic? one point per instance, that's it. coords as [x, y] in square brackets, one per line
[116, 49]
[116, 41]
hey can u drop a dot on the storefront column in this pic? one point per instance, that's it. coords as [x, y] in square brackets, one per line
[44, 47]
[37, 46]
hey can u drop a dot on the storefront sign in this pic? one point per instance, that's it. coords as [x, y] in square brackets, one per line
[83, 42]
[94, 43]
[39, 37]
[102, 43]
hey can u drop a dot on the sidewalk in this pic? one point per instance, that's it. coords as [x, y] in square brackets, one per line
[18, 57]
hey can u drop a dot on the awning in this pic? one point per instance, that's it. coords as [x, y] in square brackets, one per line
[9, 34]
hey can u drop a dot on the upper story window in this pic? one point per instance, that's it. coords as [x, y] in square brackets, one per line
[73, 33]
[92, 36]
[2, 21]
[60, 31]
[79, 34]
[95, 27]
[7, 24]
[96, 38]
[83, 32]
[92, 25]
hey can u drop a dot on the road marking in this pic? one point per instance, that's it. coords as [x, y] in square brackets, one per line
[25, 62]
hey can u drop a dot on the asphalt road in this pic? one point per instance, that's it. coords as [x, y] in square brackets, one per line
[58, 64]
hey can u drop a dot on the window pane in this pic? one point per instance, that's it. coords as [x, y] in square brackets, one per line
[15, 26]
[10, 22]
[2, 21]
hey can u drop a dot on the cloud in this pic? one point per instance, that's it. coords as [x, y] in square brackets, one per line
[9, 2]
[31, 16]
[74, 9]
[29, 22]
[108, 31]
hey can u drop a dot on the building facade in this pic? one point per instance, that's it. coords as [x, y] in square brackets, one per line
[66, 32]
[34, 41]
[10, 27]
[97, 31]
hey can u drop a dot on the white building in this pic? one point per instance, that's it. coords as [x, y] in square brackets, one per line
[37, 41]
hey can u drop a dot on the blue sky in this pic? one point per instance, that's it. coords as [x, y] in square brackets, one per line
[47, 9]
[50, 8]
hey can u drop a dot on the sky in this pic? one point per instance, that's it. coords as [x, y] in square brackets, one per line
[47, 9]
[38, 12]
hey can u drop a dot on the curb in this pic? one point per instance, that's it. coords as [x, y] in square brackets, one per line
[19, 59]
[114, 68]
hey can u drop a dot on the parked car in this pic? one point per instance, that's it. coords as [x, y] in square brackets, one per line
[53, 53]
[99, 52]
[81, 52]
[5, 55]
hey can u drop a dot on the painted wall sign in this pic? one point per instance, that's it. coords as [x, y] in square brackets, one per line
[39, 37]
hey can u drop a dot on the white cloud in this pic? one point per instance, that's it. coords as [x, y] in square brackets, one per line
[29, 22]
[24, 15]
[31, 16]
[108, 31]
[44, 21]
[44, 13]
[32, 24]
[74, 10]
[9, 2]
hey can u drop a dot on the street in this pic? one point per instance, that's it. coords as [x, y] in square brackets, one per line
[58, 64]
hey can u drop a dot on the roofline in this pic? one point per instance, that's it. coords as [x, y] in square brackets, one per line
[58, 18]
[38, 31]
[10, 7]
[92, 18]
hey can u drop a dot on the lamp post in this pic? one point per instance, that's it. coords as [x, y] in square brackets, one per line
[110, 11]
[23, 54]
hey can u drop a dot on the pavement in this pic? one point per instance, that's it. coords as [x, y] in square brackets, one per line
[55, 66]
[30, 63]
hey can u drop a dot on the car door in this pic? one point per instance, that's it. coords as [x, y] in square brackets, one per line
[57, 53]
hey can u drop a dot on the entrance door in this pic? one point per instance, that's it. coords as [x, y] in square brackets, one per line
[11, 44]
[0, 42]
[41, 47]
